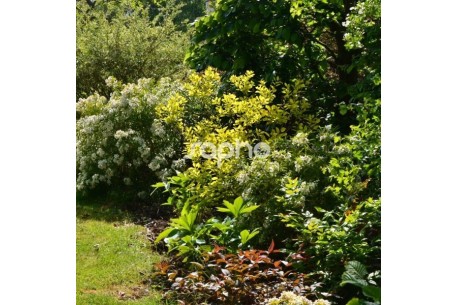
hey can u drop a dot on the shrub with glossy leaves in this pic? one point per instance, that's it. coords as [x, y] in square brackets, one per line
[334, 237]
[290, 178]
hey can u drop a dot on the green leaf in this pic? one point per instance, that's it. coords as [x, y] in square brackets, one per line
[355, 274]
[159, 184]
[343, 109]
[320, 210]
[220, 226]
[238, 203]
[246, 235]
[373, 292]
[239, 63]
[224, 210]
[187, 239]
[206, 248]
[183, 222]
[164, 234]
[249, 209]
[191, 218]
[228, 204]
[354, 301]
[256, 28]
[286, 33]
[234, 209]
[183, 249]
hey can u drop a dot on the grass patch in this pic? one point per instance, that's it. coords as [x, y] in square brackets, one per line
[113, 258]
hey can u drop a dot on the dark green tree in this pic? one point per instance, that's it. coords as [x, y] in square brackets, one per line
[289, 39]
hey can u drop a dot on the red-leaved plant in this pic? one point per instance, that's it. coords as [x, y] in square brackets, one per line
[247, 277]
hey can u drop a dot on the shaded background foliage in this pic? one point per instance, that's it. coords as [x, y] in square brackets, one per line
[312, 40]
[126, 40]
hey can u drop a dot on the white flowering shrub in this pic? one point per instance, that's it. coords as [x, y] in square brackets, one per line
[290, 298]
[120, 142]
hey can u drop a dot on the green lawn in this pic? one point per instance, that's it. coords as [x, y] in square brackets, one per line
[113, 258]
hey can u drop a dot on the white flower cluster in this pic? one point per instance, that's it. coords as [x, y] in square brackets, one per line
[306, 187]
[300, 139]
[179, 165]
[360, 19]
[112, 82]
[342, 149]
[91, 105]
[156, 163]
[157, 128]
[163, 174]
[301, 162]
[124, 143]
[290, 298]
[242, 177]
[281, 156]
[326, 134]
[123, 134]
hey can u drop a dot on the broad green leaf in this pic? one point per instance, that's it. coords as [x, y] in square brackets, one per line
[183, 249]
[187, 239]
[256, 28]
[249, 209]
[223, 210]
[185, 206]
[320, 210]
[238, 202]
[355, 274]
[164, 234]
[354, 301]
[191, 218]
[230, 206]
[246, 235]
[182, 222]
[373, 292]
[206, 248]
[220, 226]
[159, 184]
[343, 109]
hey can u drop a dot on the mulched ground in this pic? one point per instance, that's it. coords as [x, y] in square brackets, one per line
[155, 221]
[153, 229]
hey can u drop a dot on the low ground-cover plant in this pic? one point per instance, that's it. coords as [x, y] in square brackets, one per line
[244, 277]
[189, 237]
[121, 145]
